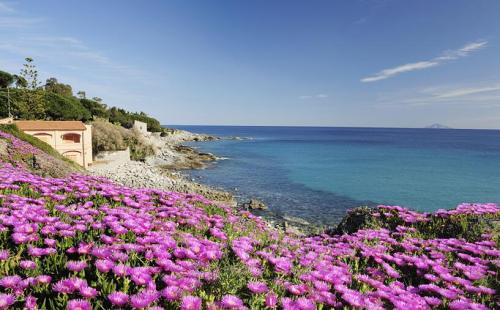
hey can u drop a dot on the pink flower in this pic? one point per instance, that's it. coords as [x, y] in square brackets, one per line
[27, 264]
[30, 303]
[118, 298]
[79, 304]
[305, 304]
[190, 303]
[171, 293]
[257, 287]
[88, 292]
[10, 281]
[231, 302]
[43, 279]
[271, 300]
[76, 266]
[6, 300]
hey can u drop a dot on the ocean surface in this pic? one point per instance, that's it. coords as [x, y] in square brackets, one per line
[317, 173]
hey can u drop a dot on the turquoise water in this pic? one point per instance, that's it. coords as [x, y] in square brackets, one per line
[318, 173]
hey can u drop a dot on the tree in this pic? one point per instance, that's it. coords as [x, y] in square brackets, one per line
[53, 86]
[31, 101]
[64, 108]
[81, 94]
[30, 74]
[96, 109]
[6, 79]
[20, 81]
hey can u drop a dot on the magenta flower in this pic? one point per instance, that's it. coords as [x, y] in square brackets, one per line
[120, 270]
[305, 304]
[27, 264]
[4, 254]
[231, 302]
[10, 281]
[43, 279]
[257, 287]
[190, 303]
[30, 303]
[6, 300]
[76, 266]
[271, 300]
[171, 293]
[88, 292]
[79, 304]
[104, 265]
[118, 298]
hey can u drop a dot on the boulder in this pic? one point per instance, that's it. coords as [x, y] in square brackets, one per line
[254, 204]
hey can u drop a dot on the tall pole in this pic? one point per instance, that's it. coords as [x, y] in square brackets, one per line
[8, 101]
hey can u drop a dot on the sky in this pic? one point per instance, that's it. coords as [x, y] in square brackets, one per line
[368, 63]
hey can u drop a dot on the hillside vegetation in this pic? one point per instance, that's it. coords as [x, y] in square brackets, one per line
[83, 242]
[30, 99]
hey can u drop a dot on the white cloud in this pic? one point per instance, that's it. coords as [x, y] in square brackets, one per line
[318, 96]
[420, 65]
[463, 92]
[482, 94]
[18, 22]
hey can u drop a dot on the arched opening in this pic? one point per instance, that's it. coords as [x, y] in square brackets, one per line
[73, 155]
[71, 138]
[45, 137]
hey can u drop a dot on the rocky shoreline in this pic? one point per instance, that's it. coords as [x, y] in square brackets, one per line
[164, 171]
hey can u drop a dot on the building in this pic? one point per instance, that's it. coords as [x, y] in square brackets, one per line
[73, 139]
[141, 127]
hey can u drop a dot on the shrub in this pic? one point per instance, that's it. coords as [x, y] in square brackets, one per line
[107, 137]
[139, 148]
[110, 137]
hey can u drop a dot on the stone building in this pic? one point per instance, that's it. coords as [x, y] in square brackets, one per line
[141, 127]
[73, 139]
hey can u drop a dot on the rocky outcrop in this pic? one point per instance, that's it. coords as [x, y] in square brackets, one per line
[254, 204]
[355, 220]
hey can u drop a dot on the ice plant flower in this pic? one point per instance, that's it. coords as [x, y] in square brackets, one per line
[257, 287]
[190, 303]
[6, 300]
[79, 304]
[118, 298]
[231, 302]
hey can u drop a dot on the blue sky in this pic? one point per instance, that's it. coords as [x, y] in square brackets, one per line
[324, 63]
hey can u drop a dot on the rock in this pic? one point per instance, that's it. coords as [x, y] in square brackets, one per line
[355, 220]
[254, 204]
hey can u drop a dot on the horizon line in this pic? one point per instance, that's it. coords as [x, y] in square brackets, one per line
[321, 126]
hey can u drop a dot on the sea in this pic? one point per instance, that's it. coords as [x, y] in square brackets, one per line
[318, 173]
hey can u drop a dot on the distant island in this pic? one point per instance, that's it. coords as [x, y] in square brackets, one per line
[438, 126]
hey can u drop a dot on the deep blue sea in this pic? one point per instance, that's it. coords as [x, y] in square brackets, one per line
[317, 173]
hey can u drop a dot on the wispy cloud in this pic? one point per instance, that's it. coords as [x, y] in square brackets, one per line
[318, 96]
[420, 65]
[478, 94]
[18, 22]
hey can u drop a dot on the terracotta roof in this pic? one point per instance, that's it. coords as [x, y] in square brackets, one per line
[50, 125]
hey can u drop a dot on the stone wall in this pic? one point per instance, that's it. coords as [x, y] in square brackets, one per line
[112, 158]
